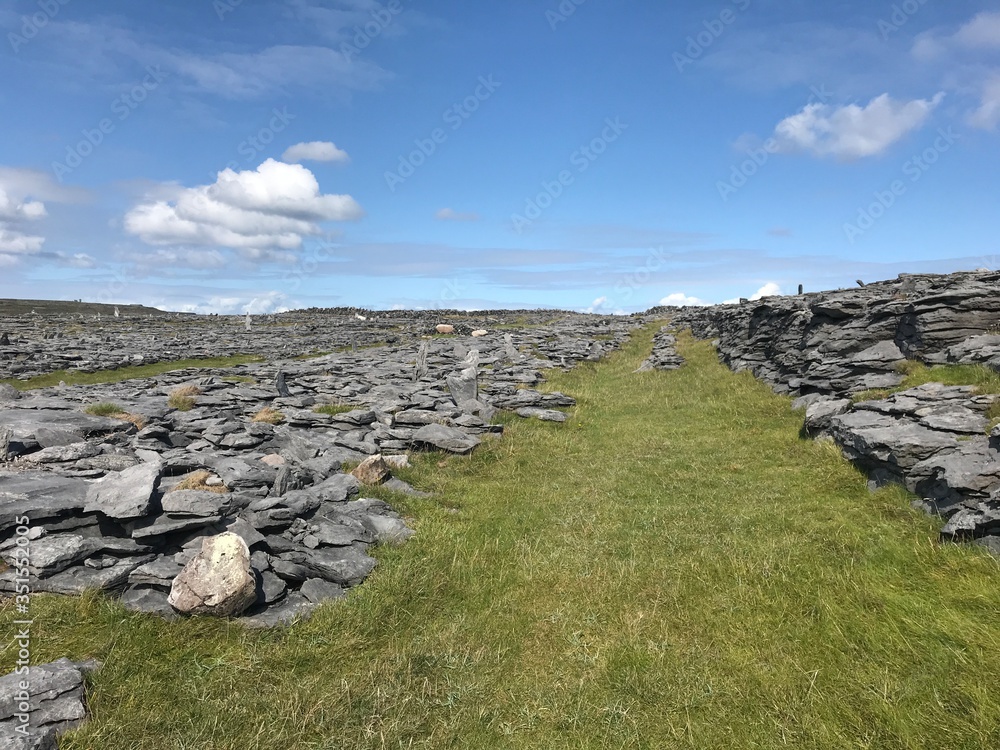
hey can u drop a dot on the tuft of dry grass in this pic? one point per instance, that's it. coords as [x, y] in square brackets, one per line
[183, 398]
[196, 480]
[269, 415]
[114, 411]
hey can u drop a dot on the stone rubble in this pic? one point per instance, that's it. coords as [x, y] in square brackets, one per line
[130, 502]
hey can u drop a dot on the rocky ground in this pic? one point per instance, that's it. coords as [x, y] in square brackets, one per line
[122, 484]
[87, 338]
[939, 441]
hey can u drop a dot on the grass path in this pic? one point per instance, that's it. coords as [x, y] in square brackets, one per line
[672, 568]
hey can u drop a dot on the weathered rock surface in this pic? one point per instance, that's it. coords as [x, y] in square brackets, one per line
[39, 705]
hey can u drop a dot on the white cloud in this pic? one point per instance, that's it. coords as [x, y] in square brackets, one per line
[315, 151]
[15, 211]
[80, 260]
[770, 289]
[448, 214]
[853, 132]
[262, 304]
[983, 31]
[679, 299]
[11, 209]
[13, 242]
[20, 184]
[255, 211]
[987, 115]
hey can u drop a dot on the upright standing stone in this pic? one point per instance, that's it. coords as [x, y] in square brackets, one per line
[282, 387]
[508, 347]
[420, 367]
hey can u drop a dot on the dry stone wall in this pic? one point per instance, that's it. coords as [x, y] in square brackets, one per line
[825, 348]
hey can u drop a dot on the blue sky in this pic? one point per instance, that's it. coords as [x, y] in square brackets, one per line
[224, 156]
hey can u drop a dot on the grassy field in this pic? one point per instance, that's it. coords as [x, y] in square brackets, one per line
[673, 567]
[127, 373]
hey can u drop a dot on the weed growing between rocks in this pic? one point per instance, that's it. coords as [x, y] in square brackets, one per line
[201, 480]
[268, 415]
[183, 398]
[332, 409]
[114, 411]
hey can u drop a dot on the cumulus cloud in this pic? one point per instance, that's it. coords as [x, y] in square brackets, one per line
[14, 242]
[255, 212]
[449, 214]
[852, 132]
[15, 211]
[679, 299]
[261, 304]
[770, 289]
[315, 151]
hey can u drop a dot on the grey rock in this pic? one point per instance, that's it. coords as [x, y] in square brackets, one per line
[820, 412]
[38, 496]
[344, 565]
[148, 600]
[292, 608]
[545, 415]
[56, 696]
[317, 591]
[127, 494]
[435, 436]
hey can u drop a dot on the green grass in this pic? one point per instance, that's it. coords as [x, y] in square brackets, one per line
[334, 408]
[126, 373]
[104, 409]
[985, 380]
[673, 567]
